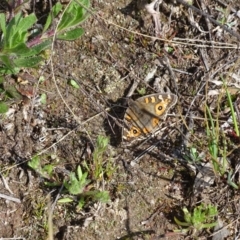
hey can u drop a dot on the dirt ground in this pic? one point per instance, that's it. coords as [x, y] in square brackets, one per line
[152, 180]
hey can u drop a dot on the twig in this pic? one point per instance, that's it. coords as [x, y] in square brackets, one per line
[224, 27]
[155, 14]
[17, 200]
[165, 61]
[6, 184]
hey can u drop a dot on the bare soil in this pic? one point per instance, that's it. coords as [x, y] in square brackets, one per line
[152, 180]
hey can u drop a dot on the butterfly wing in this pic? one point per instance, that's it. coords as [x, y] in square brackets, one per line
[143, 115]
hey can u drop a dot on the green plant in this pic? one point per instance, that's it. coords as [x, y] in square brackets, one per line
[230, 182]
[224, 15]
[21, 46]
[77, 185]
[141, 91]
[22, 43]
[214, 144]
[217, 143]
[100, 165]
[77, 182]
[230, 103]
[46, 171]
[193, 155]
[201, 217]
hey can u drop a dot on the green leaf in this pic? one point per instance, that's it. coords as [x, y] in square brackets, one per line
[2, 79]
[44, 98]
[97, 195]
[17, 30]
[67, 17]
[79, 16]
[34, 163]
[74, 14]
[82, 13]
[7, 62]
[230, 182]
[235, 122]
[3, 107]
[184, 224]
[55, 10]
[41, 79]
[73, 185]
[83, 181]
[102, 143]
[48, 169]
[38, 48]
[26, 23]
[6, 71]
[71, 35]
[102, 196]
[52, 184]
[76, 184]
[74, 84]
[17, 38]
[65, 200]
[11, 31]
[142, 91]
[187, 215]
[27, 62]
[17, 49]
[81, 203]
[12, 92]
[209, 225]
[3, 23]
[79, 172]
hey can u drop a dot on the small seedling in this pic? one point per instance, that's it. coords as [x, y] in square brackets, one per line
[202, 217]
[142, 91]
[82, 185]
[45, 171]
[100, 165]
[214, 144]
[77, 182]
[193, 155]
[77, 185]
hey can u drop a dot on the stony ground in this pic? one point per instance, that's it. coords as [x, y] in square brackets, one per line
[150, 180]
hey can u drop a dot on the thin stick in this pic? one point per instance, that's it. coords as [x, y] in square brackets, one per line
[224, 27]
[17, 200]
